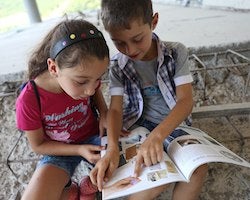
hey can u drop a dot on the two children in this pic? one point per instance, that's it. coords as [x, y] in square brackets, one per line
[150, 86]
[58, 114]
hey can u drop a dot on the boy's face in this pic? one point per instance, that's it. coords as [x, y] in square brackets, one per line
[135, 42]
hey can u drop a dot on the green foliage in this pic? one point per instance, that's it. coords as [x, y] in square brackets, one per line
[10, 7]
[46, 8]
[78, 5]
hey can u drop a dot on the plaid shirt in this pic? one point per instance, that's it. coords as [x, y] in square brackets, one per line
[122, 66]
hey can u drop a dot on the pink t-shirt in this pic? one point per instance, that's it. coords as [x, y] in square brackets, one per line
[63, 118]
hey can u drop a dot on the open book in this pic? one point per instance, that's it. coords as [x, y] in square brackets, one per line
[182, 156]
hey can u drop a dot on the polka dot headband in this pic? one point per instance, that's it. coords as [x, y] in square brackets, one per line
[73, 38]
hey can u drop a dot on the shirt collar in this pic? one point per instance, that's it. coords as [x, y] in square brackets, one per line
[162, 50]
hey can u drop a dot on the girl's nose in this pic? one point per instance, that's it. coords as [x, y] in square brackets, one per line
[89, 91]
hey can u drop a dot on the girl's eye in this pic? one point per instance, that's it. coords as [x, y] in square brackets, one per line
[81, 83]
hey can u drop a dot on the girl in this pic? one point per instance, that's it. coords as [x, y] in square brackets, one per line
[56, 109]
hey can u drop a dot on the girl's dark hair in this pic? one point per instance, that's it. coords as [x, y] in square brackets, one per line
[118, 14]
[73, 54]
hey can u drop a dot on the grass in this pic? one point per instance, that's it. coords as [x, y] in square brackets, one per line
[10, 9]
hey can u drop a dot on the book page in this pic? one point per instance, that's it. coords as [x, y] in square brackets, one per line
[195, 148]
[153, 176]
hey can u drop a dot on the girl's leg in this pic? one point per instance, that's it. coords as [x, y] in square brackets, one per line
[191, 190]
[47, 182]
[70, 192]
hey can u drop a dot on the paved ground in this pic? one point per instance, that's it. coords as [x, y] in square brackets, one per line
[195, 27]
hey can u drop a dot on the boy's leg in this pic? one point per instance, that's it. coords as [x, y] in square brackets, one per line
[47, 183]
[191, 190]
[149, 194]
[187, 191]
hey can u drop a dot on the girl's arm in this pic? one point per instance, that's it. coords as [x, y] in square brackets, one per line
[47, 147]
[109, 162]
[101, 105]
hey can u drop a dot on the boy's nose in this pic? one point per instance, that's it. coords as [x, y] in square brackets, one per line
[130, 49]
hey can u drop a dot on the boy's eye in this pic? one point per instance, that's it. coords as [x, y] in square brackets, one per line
[137, 40]
[118, 43]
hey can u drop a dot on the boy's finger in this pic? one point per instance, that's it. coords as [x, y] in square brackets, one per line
[100, 177]
[107, 175]
[138, 165]
[154, 159]
[147, 161]
[159, 157]
[92, 176]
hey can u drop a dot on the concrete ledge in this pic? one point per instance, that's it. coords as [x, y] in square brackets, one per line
[221, 110]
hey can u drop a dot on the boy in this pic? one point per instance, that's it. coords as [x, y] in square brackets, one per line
[150, 86]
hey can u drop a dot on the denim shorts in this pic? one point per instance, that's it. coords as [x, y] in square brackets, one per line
[68, 163]
[151, 125]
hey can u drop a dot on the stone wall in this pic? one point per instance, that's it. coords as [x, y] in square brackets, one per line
[224, 181]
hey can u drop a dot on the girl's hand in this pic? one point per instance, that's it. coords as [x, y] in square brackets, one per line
[105, 167]
[91, 152]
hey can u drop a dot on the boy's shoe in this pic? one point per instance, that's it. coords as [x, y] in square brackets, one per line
[73, 191]
[87, 189]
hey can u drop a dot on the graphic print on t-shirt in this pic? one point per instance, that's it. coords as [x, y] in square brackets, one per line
[155, 107]
[61, 126]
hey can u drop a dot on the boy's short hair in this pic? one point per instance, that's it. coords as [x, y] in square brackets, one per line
[117, 14]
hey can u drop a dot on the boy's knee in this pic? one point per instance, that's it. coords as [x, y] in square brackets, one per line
[150, 193]
[201, 171]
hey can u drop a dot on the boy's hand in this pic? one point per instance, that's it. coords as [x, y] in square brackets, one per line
[105, 167]
[91, 152]
[149, 153]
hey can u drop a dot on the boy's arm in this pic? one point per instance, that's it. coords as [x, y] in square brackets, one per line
[109, 162]
[102, 109]
[151, 151]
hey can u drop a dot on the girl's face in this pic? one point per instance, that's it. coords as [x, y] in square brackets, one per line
[82, 81]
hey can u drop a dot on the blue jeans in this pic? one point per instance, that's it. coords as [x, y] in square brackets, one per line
[68, 163]
[151, 125]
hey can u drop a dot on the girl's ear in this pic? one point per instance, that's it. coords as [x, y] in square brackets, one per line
[154, 20]
[52, 67]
